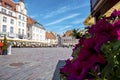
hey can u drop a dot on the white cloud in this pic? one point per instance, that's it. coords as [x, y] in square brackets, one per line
[64, 9]
[62, 19]
[58, 11]
[64, 28]
[78, 21]
[33, 16]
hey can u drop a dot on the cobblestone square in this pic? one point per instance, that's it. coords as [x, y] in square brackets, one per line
[33, 63]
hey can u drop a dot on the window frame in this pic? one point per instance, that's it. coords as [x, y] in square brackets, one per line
[4, 28]
[12, 21]
[4, 19]
[3, 10]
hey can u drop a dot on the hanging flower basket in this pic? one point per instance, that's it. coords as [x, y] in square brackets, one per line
[96, 57]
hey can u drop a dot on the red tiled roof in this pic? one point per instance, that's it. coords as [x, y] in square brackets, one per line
[9, 3]
[30, 21]
[50, 35]
[68, 33]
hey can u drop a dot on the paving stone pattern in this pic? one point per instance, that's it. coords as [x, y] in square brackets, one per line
[33, 63]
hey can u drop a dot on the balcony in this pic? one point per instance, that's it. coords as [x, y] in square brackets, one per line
[12, 35]
[20, 36]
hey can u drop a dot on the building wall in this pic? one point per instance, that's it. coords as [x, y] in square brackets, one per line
[16, 17]
[51, 39]
[101, 7]
[68, 41]
[38, 34]
[21, 14]
[5, 19]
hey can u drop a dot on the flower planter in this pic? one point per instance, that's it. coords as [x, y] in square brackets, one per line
[5, 46]
[96, 57]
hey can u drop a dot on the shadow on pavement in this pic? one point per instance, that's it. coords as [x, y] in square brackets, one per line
[56, 75]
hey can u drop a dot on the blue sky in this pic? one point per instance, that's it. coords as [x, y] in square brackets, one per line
[59, 15]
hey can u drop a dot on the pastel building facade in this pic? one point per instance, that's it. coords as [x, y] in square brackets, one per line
[68, 40]
[13, 19]
[35, 31]
[51, 39]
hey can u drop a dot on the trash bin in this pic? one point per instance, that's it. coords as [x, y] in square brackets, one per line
[9, 48]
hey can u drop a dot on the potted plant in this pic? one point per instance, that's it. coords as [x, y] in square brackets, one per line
[4, 47]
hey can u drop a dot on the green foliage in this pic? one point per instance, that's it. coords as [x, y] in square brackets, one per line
[63, 77]
[112, 55]
[76, 33]
[4, 43]
[87, 35]
[76, 52]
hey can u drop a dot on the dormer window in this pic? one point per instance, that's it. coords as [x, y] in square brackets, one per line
[8, 6]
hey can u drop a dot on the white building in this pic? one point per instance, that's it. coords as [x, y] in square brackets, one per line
[13, 19]
[68, 40]
[51, 39]
[35, 31]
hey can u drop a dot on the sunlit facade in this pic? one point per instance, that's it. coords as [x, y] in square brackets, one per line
[101, 7]
[51, 39]
[13, 19]
[35, 31]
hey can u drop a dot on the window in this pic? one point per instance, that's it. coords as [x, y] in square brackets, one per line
[10, 13]
[3, 10]
[4, 28]
[4, 19]
[11, 29]
[12, 21]
[37, 30]
[19, 23]
[8, 6]
[19, 31]
[28, 34]
[22, 24]
[28, 28]
[23, 31]
[21, 11]
[19, 16]
[23, 18]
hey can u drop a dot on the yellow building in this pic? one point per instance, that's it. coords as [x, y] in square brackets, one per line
[101, 7]
[89, 21]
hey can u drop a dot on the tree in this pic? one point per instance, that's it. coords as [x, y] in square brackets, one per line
[76, 33]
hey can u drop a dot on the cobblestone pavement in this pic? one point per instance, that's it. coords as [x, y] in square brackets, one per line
[33, 63]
